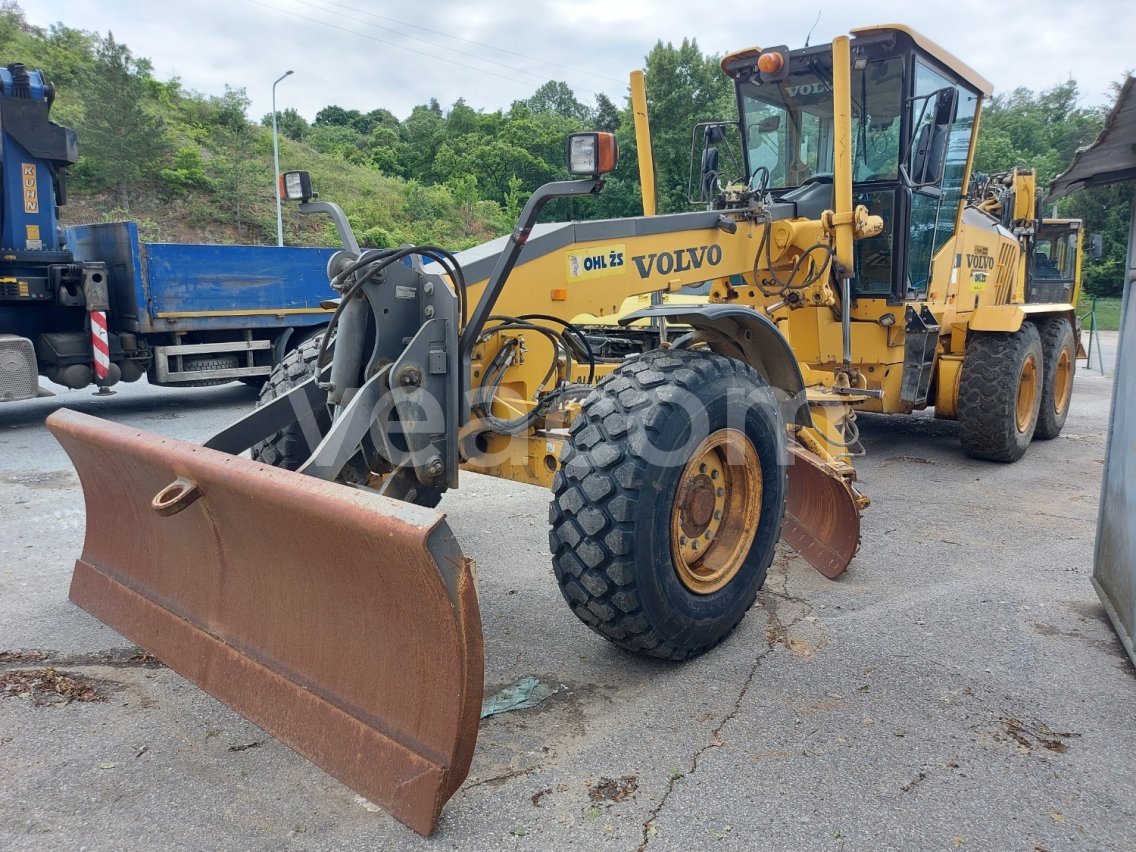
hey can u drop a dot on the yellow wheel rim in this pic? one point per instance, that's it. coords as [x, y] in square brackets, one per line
[1062, 382]
[716, 511]
[1027, 393]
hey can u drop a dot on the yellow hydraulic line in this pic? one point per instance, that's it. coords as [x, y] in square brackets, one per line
[842, 148]
[643, 142]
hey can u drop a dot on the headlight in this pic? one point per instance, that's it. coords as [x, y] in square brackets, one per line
[592, 153]
[296, 186]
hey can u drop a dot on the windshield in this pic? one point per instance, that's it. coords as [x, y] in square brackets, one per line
[788, 124]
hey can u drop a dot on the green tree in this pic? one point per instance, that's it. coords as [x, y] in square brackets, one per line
[123, 142]
[335, 115]
[422, 134]
[386, 150]
[1105, 211]
[1038, 130]
[683, 88]
[187, 172]
[13, 22]
[556, 98]
[239, 168]
[290, 123]
[342, 141]
[606, 116]
[462, 120]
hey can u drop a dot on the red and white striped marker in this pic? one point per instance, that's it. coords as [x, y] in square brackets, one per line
[100, 343]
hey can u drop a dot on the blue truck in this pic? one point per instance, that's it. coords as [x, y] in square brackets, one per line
[94, 305]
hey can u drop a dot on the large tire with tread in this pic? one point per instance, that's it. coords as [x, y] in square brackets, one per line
[1000, 393]
[633, 486]
[288, 448]
[1059, 354]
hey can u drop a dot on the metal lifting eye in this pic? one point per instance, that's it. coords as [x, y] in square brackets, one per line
[178, 495]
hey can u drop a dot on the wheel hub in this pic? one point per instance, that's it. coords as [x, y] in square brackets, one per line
[1063, 383]
[716, 511]
[1027, 394]
[697, 510]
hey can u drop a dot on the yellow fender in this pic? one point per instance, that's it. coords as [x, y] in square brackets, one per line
[1010, 317]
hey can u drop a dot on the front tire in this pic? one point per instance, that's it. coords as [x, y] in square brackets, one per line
[288, 448]
[1000, 393]
[668, 502]
[1060, 357]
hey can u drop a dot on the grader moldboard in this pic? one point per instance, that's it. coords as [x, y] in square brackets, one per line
[314, 589]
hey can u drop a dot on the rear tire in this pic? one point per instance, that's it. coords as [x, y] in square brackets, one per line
[671, 446]
[1059, 355]
[1000, 393]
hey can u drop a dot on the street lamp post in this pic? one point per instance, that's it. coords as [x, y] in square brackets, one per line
[276, 164]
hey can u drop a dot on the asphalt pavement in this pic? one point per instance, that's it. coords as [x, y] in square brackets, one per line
[958, 688]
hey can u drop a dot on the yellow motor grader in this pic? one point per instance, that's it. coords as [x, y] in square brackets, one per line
[313, 588]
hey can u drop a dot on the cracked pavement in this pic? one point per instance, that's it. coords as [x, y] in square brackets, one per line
[958, 688]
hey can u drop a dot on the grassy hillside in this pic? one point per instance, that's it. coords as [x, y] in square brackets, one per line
[384, 211]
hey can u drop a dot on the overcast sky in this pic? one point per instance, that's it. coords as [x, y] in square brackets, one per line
[363, 54]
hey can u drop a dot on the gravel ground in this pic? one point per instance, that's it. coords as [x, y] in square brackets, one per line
[958, 688]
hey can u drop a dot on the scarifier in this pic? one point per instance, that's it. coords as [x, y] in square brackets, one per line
[680, 440]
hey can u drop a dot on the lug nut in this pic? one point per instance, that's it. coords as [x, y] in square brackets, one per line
[713, 474]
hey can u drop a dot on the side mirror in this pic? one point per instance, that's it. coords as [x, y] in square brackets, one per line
[709, 174]
[710, 142]
[769, 125]
[713, 134]
[946, 106]
[1096, 246]
[928, 157]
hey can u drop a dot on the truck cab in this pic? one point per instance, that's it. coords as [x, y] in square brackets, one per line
[96, 305]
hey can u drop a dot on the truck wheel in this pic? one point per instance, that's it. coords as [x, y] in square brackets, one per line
[217, 362]
[288, 448]
[1059, 356]
[668, 502]
[1000, 393]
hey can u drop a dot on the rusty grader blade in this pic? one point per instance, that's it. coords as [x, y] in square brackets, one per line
[343, 623]
[822, 514]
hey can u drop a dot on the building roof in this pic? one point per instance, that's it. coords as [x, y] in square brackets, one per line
[1112, 158]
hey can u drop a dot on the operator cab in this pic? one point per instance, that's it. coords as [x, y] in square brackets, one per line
[913, 119]
[1052, 272]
